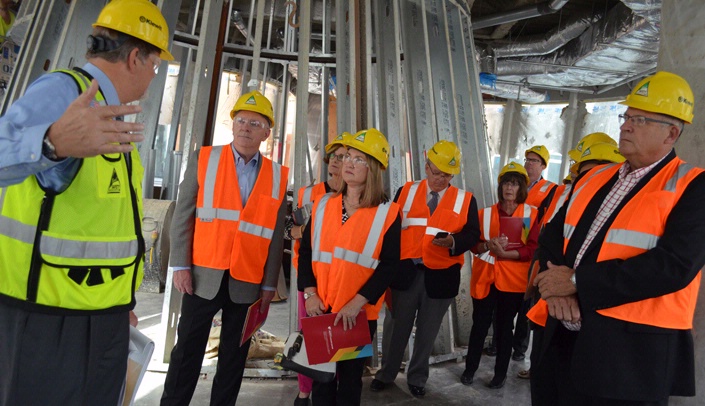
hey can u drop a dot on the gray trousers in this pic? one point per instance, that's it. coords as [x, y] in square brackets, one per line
[407, 306]
[48, 359]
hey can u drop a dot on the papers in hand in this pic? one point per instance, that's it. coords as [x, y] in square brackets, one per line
[253, 322]
[329, 343]
[140, 353]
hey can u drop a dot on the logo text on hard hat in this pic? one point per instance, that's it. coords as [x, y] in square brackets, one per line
[146, 20]
[643, 90]
[682, 99]
[251, 100]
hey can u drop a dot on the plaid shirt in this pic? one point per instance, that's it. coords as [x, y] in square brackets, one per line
[626, 181]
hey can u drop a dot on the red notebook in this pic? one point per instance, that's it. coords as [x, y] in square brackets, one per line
[513, 228]
[328, 343]
[253, 322]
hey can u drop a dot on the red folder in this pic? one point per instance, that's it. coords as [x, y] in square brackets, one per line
[328, 343]
[253, 322]
[513, 228]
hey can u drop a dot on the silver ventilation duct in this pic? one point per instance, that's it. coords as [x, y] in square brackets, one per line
[522, 13]
[620, 46]
[515, 92]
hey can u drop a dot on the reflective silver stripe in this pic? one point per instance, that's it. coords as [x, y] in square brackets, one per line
[276, 179]
[407, 205]
[255, 230]
[459, 199]
[16, 230]
[568, 231]
[545, 186]
[316, 253]
[527, 212]
[306, 198]
[414, 221]
[582, 186]
[682, 170]
[486, 221]
[433, 231]
[355, 258]
[87, 249]
[365, 258]
[485, 256]
[631, 238]
[222, 214]
[209, 183]
[560, 201]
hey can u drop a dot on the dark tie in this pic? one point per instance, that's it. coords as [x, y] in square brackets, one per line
[433, 202]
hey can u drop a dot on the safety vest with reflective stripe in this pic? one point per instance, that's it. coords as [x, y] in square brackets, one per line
[562, 192]
[636, 229]
[226, 235]
[78, 251]
[539, 192]
[307, 195]
[344, 256]
[418, 229]
[506, 274]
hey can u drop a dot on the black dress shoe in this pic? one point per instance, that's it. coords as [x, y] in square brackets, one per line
[496, 384]
[490, 351]
[517, 356]
[302, 401]
[418, 391]
[466, 378]
[376, 385]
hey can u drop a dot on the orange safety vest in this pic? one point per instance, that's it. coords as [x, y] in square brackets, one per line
[636, 229]
[539, 192]
[418, 229]
[307, 195]
[507, 275]
[538, 313]
[344, 256]
[562, 192]
[226, 235]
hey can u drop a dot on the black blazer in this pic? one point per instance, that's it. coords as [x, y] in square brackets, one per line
[441, 283]
[617, 359]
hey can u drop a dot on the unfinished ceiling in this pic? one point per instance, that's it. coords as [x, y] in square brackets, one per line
[525, 48]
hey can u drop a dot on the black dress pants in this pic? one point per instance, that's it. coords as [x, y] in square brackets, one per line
[506, 305]
[187, 356]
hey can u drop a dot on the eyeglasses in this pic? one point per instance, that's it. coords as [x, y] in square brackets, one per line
[156, 62]
[510, 183]
[532, 161]
[338, 158]
[252, 123]
[639, 121]
[357, 161]
[439, 174]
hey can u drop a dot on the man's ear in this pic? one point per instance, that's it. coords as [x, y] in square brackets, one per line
[674, 133]
[133, 59]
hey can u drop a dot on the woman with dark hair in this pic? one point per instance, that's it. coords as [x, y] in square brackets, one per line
[499, 272]
[349, 254]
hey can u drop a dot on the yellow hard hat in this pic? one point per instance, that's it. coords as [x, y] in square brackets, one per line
[341, 140]
[575, 168]
[446, 156]
[373, 143]
[568, 179]
[541, 151]
[602, 152]
[663, 93]
[513, 167]
[140, 19]
[255, 102]
[586, 141]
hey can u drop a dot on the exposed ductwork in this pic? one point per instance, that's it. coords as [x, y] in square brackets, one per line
[521, 13]
[617, 47]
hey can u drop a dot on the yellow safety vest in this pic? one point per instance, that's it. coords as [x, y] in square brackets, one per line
[80, 250]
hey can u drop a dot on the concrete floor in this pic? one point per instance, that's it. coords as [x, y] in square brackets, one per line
[443, 386]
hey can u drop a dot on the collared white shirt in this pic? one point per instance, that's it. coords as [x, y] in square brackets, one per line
[246, 173]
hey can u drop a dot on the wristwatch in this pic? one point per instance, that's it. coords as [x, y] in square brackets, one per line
[48, 149]
[308, 295]
[572, 279]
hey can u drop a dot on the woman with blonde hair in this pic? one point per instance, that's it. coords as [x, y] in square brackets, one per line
[349, 253]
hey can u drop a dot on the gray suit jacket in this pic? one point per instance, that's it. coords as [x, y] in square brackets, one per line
[207, 281]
